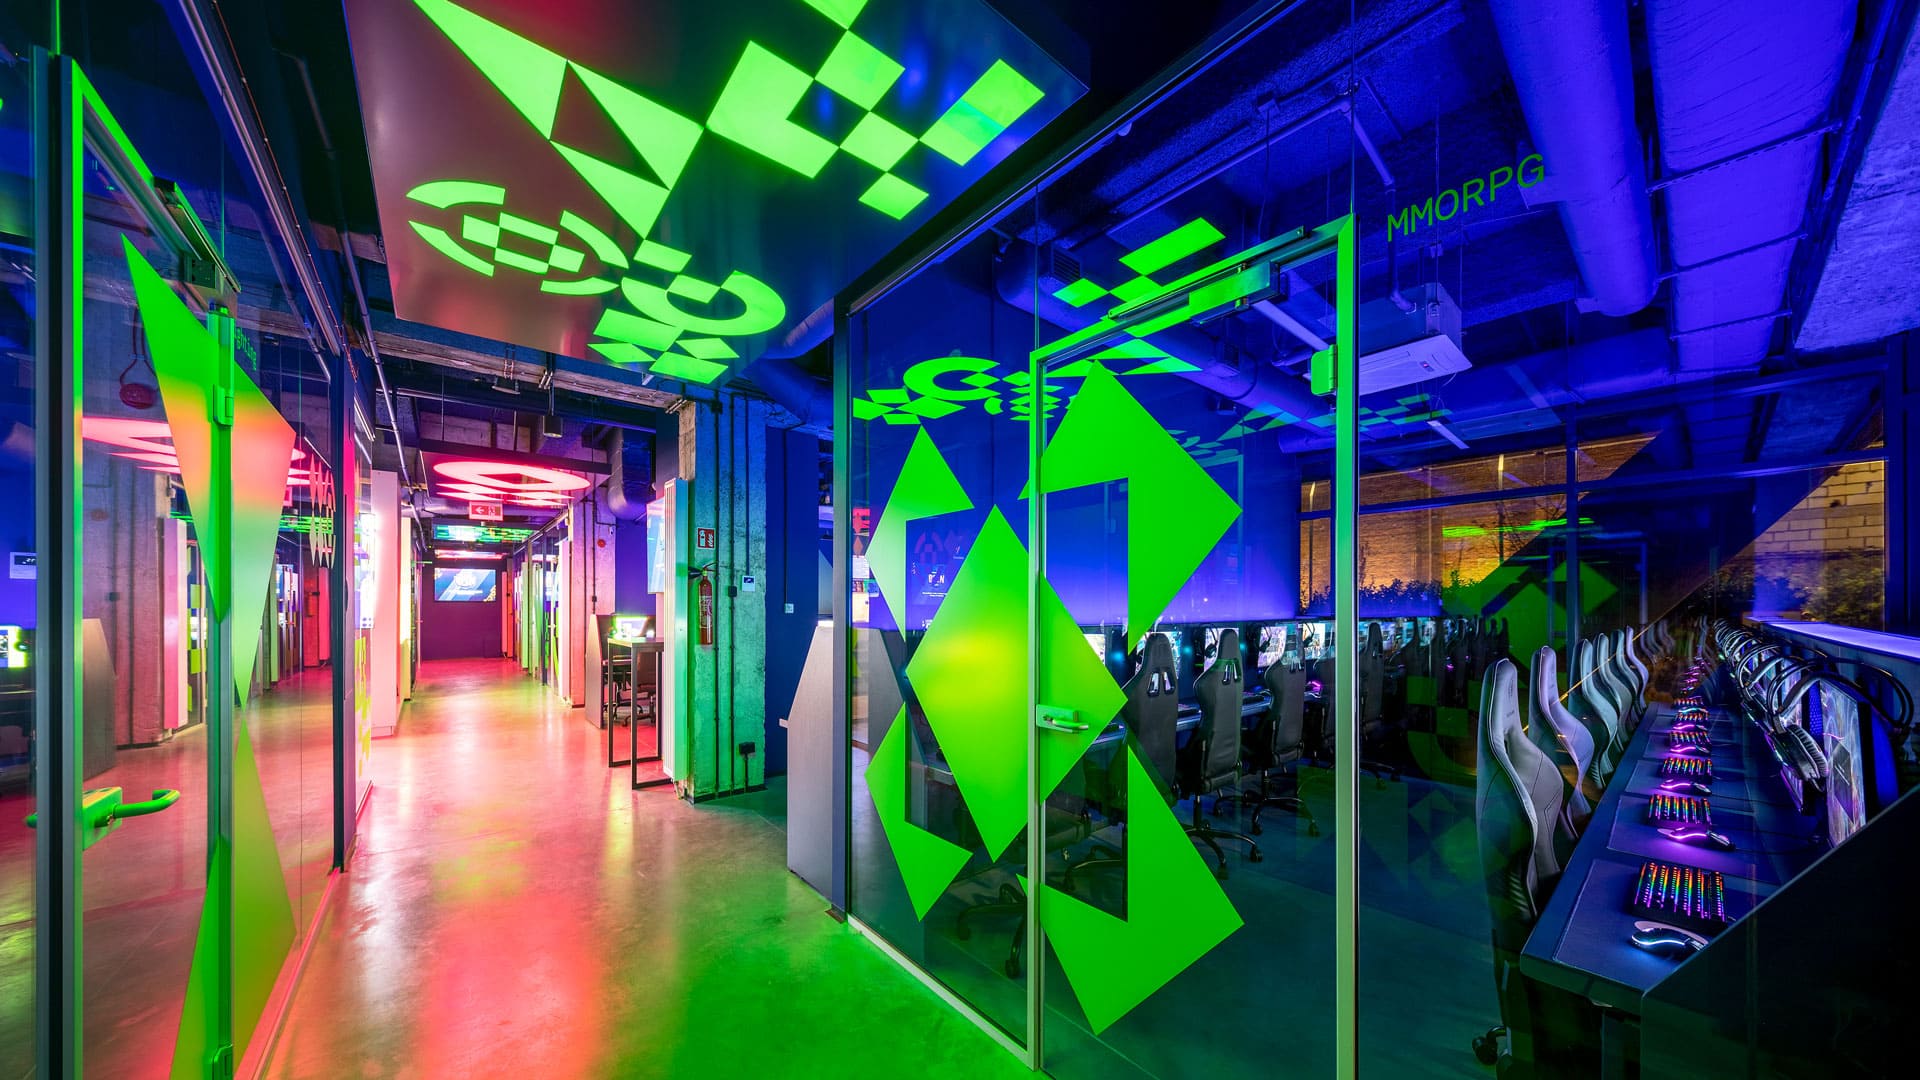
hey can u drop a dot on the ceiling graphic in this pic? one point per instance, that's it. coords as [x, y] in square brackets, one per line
[674, 185]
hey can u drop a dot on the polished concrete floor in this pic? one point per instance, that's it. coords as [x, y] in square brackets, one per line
[515, 909]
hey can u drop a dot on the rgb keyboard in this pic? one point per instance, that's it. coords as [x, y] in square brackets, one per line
[1696, 740]
[1687, 768]
[1681, 895]
[1679, 810]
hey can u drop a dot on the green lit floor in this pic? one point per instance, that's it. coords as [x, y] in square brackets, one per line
[515, 910]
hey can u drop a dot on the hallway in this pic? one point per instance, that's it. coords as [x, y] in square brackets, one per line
[515, 910]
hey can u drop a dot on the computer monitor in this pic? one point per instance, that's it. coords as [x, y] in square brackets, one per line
[1840, 739]
[632, 627]
[1273, 643]
[1097, 641]
[1313, 640]
[1428, 628]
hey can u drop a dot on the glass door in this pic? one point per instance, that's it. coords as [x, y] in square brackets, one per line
[1186, 675]
[174, 505]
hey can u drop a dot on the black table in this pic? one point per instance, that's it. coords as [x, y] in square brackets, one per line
[1581, 942]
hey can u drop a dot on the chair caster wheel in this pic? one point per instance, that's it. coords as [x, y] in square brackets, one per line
[1255, 830]
[961, 932]
[1012, 967]
[1255, 855]
[1312, 829]
[1220, 873]
[1486, 1046]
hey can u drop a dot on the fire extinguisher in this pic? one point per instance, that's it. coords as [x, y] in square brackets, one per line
[706, 610]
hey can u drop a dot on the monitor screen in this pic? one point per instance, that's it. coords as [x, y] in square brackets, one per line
[1273, 642]
[1313, 640]
[1428, 627]
[632, 627]
[1097, 641]
[463, 584]
[1840, 740]
[657, 546]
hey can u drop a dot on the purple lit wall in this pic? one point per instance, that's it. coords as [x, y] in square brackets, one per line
[454, 631]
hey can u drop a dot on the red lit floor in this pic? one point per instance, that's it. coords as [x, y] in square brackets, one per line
[516, 910]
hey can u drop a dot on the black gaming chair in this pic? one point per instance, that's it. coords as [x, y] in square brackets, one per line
[1211, 761]
[1372, 667]
[1279, 740]
[1517, 802]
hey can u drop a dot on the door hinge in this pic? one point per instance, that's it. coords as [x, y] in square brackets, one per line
[223, 407]
[220, 1063]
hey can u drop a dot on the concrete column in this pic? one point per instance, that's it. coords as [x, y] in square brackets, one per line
[1903, 471]
[723, 453]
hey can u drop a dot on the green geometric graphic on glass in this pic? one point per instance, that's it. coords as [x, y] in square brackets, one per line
[969, 675]
[927, 862]
[925, 488]
[1176, 912]
[262, 450]
[188, 358]
[262, 923]
[1160, 477]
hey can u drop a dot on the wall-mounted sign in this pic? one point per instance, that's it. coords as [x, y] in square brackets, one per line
[705, 539]
[749, 583]
[674, 184]
[487, 511]
[23, 565]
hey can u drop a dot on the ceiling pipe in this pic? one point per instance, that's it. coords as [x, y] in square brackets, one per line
[222, 69]
[1572, 70]
[807, 398]
[353, 274]
[1019, 281]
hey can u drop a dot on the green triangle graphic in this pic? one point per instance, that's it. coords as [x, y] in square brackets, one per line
[968, 674]
[927, 862]
[925, 488]
[263, 928]
[527, 74]
[1176, 913]
[636, 200]
[664, 138]
[262, 450]
[185, 364]
[1174, 509]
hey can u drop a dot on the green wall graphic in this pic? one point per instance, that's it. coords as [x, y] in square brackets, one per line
[968, 677]
[192, 363]
[661, 311]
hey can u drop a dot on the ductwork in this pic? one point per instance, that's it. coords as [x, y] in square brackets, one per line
[1740, 92]
[1593, 371]
[630, 487]
[1026, 281]
[1573, 72]
[807, 399]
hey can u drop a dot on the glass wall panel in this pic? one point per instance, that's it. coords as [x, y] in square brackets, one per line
[144, 884]
[938, 610]
[19, 592]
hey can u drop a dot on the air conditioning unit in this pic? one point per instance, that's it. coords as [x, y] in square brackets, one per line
[1399, 348]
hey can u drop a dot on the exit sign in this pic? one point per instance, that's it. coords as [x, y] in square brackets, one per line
[487, 511]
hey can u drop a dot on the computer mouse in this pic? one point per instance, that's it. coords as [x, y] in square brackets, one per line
[1697, 834]
[1663, 940]
[1690, 787]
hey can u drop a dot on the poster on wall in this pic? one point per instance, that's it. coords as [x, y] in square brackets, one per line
[657, 546]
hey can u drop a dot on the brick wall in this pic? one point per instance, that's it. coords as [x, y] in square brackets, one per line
[1845, 515]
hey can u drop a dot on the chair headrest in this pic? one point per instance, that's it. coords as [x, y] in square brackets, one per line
[1546, 678]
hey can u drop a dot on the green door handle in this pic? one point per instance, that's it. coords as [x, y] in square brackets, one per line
[1055, 718]
[101, 811]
